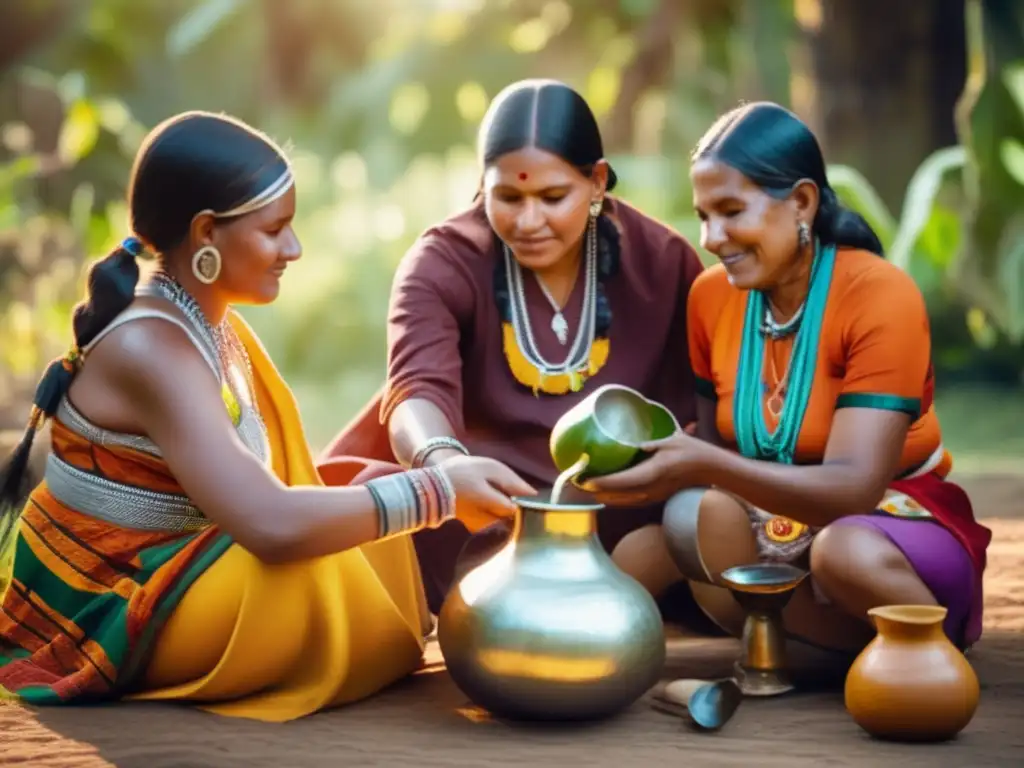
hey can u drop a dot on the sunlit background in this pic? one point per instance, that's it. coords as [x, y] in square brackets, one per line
[919, 105]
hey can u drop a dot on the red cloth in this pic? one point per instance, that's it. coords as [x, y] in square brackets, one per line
[950, 505]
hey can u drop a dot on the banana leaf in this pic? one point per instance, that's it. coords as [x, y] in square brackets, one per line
[990, 119]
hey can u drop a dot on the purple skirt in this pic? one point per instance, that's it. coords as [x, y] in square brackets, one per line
[940, 561]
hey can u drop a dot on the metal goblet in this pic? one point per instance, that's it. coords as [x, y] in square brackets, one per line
[763, 590]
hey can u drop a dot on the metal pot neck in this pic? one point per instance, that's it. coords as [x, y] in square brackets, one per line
[557, 522]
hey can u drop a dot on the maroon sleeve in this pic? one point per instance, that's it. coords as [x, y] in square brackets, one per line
[432, 299]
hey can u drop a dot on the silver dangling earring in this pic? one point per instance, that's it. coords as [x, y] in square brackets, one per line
[596, 206]
[206, 264]
[803, 234]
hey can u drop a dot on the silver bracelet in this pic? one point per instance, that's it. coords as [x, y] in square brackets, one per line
[434, 444]
[413, 500]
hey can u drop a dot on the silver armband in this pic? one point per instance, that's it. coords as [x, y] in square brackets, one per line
[413, 500]
[435, 444]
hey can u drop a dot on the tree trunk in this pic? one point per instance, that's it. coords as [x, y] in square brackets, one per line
[27, 25]
[886, 77]
[767, 29]
[650, 68]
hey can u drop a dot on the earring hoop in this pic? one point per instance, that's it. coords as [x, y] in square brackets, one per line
[206, 265]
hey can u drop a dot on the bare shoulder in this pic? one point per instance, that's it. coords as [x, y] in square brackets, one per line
[150, 353]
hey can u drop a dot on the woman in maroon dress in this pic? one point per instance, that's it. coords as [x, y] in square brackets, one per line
[504, 316]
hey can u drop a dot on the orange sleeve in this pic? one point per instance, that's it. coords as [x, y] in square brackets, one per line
[887, 341]
[702, 308]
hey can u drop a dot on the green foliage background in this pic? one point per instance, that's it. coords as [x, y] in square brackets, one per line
[379, 102]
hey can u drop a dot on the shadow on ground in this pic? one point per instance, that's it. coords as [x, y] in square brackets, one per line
[425, 721]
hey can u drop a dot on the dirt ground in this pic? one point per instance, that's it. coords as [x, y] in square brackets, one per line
[425, 721]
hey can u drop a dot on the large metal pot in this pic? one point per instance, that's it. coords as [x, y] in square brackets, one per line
[549, 628]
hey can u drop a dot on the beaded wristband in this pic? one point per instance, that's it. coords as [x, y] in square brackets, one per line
[434, 444]
[410, 501]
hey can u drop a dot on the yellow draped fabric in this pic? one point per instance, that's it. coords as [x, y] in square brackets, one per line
[276, 642]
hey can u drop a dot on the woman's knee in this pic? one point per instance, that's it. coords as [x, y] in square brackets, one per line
[642, 554]
[707, 531]
[640, 545]
[847, 554]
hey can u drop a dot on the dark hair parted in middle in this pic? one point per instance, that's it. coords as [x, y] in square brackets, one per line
[776, 150]
[548, 115]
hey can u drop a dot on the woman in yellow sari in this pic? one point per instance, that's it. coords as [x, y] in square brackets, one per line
[181, 545]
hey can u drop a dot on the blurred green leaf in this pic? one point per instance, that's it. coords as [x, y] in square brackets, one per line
[941, 238]
[198, 25]
[409, 104]
[17, 169]
[80, 211]
[1013, 79]
[984, 335]
[602, 89]
[1012, 153]
[1011, 277]
[856, 192]
[638, 9]
[72, 86]
[98, 235]
[79, 133]
[919, 199]
[991, 128]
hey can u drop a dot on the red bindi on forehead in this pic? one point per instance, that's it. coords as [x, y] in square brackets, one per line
[523, 176]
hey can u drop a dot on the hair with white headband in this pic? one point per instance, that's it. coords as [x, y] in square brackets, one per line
[194, 163]
[199, 162]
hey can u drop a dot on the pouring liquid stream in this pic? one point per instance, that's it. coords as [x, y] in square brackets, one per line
[568, 476]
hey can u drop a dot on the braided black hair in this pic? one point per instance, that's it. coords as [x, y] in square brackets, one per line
[193, 162]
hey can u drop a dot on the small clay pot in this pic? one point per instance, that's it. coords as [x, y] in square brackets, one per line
[911, 683]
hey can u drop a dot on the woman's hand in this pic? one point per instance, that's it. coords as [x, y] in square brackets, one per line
[483, 488]
[677, 462]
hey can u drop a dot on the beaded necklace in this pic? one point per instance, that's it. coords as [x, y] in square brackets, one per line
[753, 437]
[589, 350]
[238, 386]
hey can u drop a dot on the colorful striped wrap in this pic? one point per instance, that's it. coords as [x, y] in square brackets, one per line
[99, 593]
[87, 599]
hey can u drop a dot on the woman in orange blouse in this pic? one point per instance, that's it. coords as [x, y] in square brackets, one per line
[818, 442]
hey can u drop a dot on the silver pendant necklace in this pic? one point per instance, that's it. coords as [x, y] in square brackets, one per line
[579, 352]
[559, 325]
